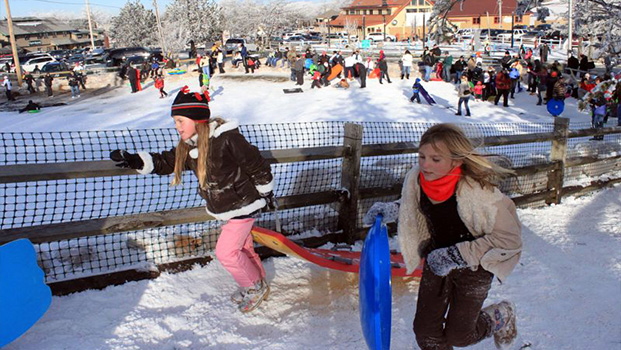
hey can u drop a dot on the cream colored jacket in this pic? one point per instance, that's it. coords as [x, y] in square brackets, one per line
[490, 216]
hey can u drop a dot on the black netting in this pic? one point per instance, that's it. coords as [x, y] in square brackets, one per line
[35, 203]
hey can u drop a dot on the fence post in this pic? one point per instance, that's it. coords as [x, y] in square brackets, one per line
[558, 153]
[350, 180]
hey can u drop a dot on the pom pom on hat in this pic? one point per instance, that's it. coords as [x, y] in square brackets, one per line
[191, 105]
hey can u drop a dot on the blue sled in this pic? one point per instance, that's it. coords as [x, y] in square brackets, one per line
[375, 289]
[24, 296]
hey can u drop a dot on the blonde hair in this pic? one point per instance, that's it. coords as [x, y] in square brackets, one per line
[475, 165]
[181, 153]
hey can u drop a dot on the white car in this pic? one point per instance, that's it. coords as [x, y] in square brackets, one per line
[377, 36]
[517, 34]
[30, 65]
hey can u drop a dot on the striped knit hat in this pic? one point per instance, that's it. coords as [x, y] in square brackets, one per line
[191, 105]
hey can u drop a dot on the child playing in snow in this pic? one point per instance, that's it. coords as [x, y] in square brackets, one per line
[234, 179]
[478, 91]
[316, 80]
[415, 91]
[159, 84]
[452, 214]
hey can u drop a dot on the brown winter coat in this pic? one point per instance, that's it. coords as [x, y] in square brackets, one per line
[503, 82]
[237, 174]
[490, 216]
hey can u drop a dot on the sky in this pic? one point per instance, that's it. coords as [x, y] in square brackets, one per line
[22, 8]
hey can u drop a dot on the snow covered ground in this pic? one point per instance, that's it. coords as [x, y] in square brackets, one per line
[259, 101]
[567, 287]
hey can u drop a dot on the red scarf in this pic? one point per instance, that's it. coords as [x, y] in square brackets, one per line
[443, 188]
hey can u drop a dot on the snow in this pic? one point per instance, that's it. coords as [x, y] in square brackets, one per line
[567, 286]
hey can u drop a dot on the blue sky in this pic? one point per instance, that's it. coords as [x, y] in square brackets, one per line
[21, 8]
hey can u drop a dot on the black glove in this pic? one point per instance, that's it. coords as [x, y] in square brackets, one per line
[271, 200]
[442, 261]
[125, 159]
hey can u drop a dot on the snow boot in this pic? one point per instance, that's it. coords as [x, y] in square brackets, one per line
[253, 296]
[504, 325]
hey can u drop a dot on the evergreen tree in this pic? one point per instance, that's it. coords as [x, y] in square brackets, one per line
[134, 26]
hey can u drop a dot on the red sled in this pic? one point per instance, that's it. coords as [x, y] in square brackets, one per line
[348, 261]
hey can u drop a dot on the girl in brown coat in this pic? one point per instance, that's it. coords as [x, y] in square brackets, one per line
[234, 179]
[454, 216]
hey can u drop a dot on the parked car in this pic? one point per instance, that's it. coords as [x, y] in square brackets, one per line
[116, 56]
[492, 34]
[296, 38]
[464, 34]
[56, 69]
[378, 36]
[30, 64]
[59, 54]
[232, 44]
[517, 33]
[543, 27]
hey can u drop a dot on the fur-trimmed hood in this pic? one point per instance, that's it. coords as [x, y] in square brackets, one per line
[489, 215]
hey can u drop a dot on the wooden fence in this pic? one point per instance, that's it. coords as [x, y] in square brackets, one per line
[349, 195]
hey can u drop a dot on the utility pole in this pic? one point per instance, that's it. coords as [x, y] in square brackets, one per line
[159, 25]
[571, 25]
[500, 13]
[90, 25]
[384, 7]
[18, 69]
[512, 24]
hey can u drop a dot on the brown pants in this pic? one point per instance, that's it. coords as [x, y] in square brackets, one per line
[462, 293]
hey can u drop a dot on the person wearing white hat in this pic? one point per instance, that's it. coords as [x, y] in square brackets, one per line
[7, 88]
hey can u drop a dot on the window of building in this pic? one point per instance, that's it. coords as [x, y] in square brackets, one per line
[517, 19]
[476, 20]
[496, 20]
[421, 3]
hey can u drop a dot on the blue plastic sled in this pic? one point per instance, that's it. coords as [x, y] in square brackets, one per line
[375, 288]
[24, 296]
[556, 107]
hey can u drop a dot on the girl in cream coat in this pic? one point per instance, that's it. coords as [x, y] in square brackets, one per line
[453, 215]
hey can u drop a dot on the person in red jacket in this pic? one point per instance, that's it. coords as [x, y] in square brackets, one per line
[503, 85]
[159, 84]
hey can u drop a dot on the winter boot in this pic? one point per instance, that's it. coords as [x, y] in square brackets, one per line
[407, 76]
[239, 295]
[504, 323]
[253, 296]
[401, 76]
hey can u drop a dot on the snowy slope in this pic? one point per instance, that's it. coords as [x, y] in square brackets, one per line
[259, 101]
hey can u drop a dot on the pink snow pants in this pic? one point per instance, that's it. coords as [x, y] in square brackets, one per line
[235, 251]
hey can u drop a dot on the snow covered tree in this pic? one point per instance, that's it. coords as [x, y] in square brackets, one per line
[134, 26]
[598, 22]
[197, 20]
[253, 18]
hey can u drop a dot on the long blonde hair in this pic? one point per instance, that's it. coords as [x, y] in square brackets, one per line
[475, 165]
[181, 153]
